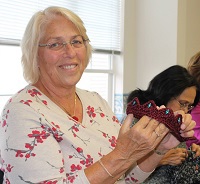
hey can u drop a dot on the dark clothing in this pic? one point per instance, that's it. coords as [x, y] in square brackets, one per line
[1, 177]
[186, 173]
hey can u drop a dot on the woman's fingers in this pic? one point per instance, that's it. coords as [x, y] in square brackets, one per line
[151, 130]
[151, 125]
[126, 124]
[196, 149]
[174, 156]
[137, 141]
[187, 124]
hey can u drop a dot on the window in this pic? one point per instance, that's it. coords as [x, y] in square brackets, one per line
[102, 20]
[99, 76]
[10, 72]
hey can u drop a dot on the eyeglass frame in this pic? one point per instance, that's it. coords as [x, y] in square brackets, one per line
[63, 44]
[185, 105]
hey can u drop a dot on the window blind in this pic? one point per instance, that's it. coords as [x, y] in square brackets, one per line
[101, 18]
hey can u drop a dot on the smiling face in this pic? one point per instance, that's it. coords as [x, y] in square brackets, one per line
[64, 67]
[186, 97]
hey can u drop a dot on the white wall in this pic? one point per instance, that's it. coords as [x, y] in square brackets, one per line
[158, 34]
[188, 30]
[128, 47]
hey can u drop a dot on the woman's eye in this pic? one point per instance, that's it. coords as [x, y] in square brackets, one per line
[76, 42]
[54, 45]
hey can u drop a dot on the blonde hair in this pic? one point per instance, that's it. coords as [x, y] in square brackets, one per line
[194, 66]
[34, 32]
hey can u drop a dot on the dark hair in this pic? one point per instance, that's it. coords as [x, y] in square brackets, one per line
[168, 84]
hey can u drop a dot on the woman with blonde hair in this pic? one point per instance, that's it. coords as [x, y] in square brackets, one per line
[53, 132]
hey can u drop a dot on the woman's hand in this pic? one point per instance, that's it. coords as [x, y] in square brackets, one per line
[135, 142]
[147, 134]
[196, 149]
[188, 124]
[186, 131]
[174, 157]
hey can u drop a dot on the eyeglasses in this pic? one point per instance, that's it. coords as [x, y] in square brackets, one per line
[76, 42]
[185, 105]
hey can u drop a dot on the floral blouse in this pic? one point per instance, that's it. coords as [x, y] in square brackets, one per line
[40, 143]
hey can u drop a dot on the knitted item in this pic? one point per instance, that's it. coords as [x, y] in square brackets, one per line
[164, 115]
[188, 172]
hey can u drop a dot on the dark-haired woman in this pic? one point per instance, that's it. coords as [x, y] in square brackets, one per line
[178, 90]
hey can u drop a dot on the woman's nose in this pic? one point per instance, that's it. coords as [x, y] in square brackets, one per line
[69, 50]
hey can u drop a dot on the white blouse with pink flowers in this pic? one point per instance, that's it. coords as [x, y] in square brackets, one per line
[40, 143]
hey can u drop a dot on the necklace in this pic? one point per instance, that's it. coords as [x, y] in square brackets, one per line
[74, 114]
